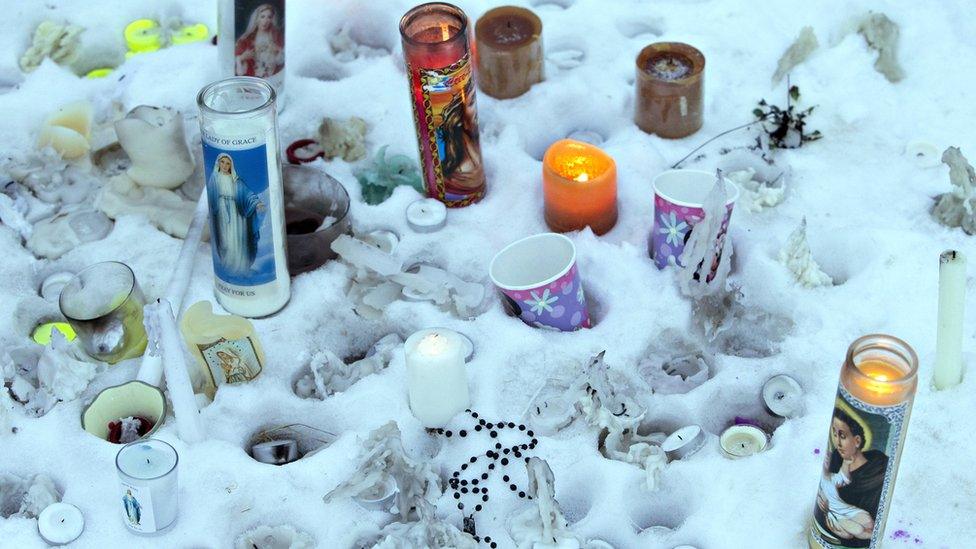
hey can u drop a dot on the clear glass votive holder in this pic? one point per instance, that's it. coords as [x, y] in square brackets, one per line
[316, 213]
[103, 303]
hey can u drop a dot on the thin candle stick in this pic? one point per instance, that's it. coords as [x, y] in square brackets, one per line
[952, 300]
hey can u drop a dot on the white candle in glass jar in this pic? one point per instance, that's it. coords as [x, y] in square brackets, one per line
[149, 488]
[437, 382]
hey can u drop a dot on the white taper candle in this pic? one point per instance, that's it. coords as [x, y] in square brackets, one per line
[952, 299]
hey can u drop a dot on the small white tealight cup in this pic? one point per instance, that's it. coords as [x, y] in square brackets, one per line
[743, 440]
[683, 442]
[783, 396]
[60, 523]
[427, 215]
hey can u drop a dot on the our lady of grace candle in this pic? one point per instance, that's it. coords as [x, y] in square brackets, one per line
[867, 432]
[439, 66]
[149, 488]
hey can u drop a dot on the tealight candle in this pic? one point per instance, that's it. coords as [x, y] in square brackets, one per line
[60, 523]
[149, 485]
[743, 440]
[53, 284]
[952, 305]
[426, 215]
[867, 433]
[143, 35]
[275, 452]
[683, 442]
[579, 184]
[510, 58]
[437, 382]
[435, 47]
[379, 497]
[782, 396]
[670, 89]
[43, 333]
[386, 241]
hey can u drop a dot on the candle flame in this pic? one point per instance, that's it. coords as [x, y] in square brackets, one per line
[583, 177]
[445, 32]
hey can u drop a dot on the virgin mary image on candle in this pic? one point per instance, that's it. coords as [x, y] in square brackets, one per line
[260, 49]
[238, 213]
[852, 481]
[133, 511]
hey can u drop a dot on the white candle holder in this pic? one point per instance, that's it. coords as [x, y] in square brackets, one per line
[149, 486]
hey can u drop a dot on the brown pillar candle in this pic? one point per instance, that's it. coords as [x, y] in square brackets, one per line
[509, 50]
[670, 89]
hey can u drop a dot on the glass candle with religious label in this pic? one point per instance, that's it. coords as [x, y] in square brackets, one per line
[251, 40]
[867, 432]
[509, 45]
[439, 67]
[670, 89]
[148, 485]
[579, 184]
[226, 348]
[242, 166]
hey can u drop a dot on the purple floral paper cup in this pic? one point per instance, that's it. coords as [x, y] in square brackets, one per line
[540, 282]
[678, 199]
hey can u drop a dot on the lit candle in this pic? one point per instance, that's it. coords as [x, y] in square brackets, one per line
[867, 432]
[149, 485]
[952, 304]
[510, 59]
[60, 523]
[435, 47]
[670, 89]
[437, 383]
[743, 440]
[426, 215]
[579, 184]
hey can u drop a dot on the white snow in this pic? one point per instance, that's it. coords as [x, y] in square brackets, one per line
[868, 201]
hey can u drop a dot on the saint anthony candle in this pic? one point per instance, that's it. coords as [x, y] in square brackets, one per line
[670, 89]
[510, 57]
[148, 484]
[242, 164]
[867, 432]
[435, 47]
[251, 40]
[579, 184]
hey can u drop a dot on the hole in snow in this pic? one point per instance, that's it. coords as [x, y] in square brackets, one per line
[270, 441]
[553, 4]
[324, 70]
[634, 29]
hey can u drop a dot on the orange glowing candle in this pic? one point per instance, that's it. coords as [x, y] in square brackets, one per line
[579, 183]
[867, 433]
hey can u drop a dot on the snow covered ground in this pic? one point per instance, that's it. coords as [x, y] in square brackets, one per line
[865, 200]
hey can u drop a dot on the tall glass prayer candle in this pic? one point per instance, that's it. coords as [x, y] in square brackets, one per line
[251, 40]
[242, 165]
[670, 89]
[438, 58]
[579, 184]
[509, 45]
[867, 432]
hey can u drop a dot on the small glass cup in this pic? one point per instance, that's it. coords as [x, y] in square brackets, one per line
[103, 303]
[316, 213]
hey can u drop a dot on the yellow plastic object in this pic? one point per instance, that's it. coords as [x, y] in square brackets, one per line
[42, 334]
[190, 33]
[143, 35]
[99, 73]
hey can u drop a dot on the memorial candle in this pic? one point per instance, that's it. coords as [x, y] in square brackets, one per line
[509, 45]
[670, 89]
[148, 484]
[579, 184]
[867, 432]
[437, 382]
[438, 59]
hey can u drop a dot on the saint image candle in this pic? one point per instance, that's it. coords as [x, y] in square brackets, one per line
[148, 484]
[251, 40]
[867, 432]
[437, 382]
[579, 184]
[510, 57]
[242, 165]
[438, 59]
[670, 89]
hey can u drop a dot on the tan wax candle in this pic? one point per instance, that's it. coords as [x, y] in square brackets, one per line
[509, 50]
[670, 89]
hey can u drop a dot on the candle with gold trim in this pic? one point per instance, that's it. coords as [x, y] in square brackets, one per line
[867, 432]
[439, 66]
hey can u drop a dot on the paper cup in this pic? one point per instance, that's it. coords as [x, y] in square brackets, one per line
[678, 199]
[540, 282]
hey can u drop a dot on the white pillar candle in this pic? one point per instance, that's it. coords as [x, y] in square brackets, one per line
[437, 383]
[739, 441]
[427, 215]
[149, 486]
[60, 523]
[952, 301]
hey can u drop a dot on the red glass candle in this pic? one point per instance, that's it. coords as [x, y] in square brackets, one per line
[438, 57]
